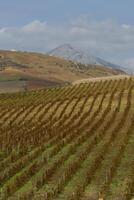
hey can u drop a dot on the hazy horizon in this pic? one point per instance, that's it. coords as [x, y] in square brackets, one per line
[101, 27]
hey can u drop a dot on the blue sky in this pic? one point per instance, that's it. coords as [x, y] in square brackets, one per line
[16, 12]
[101, 27]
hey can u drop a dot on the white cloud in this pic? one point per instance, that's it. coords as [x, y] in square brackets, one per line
[105, 38]
[126, 26]
[35, 27]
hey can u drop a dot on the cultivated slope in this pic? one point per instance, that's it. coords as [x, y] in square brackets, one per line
[70, 143]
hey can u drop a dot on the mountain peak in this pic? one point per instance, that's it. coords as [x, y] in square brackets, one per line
[68, 52]
[66, 46]
[65, 50]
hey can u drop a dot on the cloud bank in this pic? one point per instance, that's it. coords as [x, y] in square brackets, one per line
[108, 39]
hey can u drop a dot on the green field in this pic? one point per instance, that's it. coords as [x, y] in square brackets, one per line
[68, 143]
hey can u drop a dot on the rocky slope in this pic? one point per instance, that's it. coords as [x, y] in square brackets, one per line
[70, 53]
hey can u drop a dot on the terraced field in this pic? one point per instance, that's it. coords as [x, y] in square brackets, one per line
[68, 143]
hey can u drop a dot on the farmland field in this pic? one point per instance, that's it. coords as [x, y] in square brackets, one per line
[68, 143]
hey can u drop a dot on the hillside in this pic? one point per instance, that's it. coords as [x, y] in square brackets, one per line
[24, 70]
[69, 143]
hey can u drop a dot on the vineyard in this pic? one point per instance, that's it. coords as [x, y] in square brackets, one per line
[68, 143]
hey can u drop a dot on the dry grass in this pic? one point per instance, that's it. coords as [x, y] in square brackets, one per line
[51, 70]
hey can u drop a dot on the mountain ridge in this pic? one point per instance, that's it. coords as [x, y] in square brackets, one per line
[68, 52]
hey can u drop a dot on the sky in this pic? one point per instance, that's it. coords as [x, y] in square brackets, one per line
[104, 28]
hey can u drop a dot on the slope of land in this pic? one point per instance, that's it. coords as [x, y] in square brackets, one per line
[116, 77]
[34, 70]
[69, 143]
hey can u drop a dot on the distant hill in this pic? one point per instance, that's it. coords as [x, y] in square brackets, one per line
[70, 53]
[35, 70]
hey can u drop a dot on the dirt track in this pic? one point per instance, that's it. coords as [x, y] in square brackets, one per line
[101, 78]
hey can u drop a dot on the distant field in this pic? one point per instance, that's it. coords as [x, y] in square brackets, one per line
[12, 86]
[68, 143]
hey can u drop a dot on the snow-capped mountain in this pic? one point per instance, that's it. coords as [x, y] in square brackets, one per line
[68, 52]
